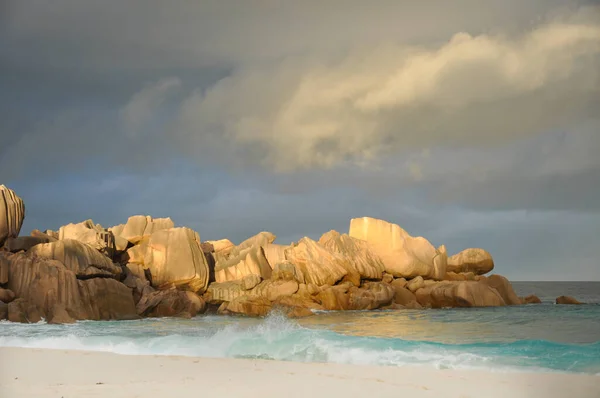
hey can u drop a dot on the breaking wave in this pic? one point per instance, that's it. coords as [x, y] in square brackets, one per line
[278, 338]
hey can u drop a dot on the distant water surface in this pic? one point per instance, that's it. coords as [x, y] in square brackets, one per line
[543, 337]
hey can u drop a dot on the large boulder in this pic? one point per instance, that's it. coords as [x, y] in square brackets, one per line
[24, 243]
[567, 300]
[403, 296]
[357, 254]
[473, 260]
[3, 311]
[503, 286]
[6, 295]
[91, 234]
[78, 257]
[459, 294]
[174, 258]
[12, 213]
[272, 290]
[275, 254]
[138, 227]
[531, 299]
[402, 255]
[315, 264]
[172, 302]
[370, 296]
[46, 283]
[23, 312]
[250, 306]
[221, 245]
[249, 261]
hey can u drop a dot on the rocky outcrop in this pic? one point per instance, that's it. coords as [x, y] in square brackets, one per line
[174, 258]
[3, 311]
[567, 300]
[78, 257]
[275, 254]
[502, 286]
[531, 299]
[249, 261]
[473, 260]
[370, 296]
[357, 254]
[139, 227]
[91, 234]
[250, 306]
[6, 295]
[12, 213]
[403, 296]
[402, 255]
[315, 264]
[24, 243]
[172, 302]
[59, 315]
[272, 290]
[46, 283]
[23, 312]
[221, 245]
[459, 294]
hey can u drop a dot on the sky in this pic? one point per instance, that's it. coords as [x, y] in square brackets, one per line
[472, 123]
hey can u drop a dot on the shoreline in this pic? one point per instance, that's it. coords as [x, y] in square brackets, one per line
[33, 372]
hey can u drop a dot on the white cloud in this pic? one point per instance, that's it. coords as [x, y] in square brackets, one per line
[312, 111]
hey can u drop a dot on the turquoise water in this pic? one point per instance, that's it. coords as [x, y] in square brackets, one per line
[543, 337]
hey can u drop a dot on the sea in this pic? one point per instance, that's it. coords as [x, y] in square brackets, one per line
[529, 338]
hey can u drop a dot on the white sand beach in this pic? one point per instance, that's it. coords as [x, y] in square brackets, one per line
[40, 373]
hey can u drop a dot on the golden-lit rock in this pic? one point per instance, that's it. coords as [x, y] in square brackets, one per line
[357, 254]
[316, 264]
[402, 255]
[473, 260]
[12, 213]
[459, 294]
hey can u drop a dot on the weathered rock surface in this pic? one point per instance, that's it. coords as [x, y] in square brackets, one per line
[6, 295]
[275, 254]
[138, 227]
[3, 311]
[531, 299]
[106, 299]
[503, 286]
[474, 260]
[23, 312]
[315, 263]
[459, 294]
[250, 281]
[91, 234]
[357, 253]
[221, 245]
[403, 296]
[172, 302]
[249, 261]
[59, 315]
[24, 243]
[78, 257]
[461, 276]
[567, 300]
[370, 296]
[46, 283]
[269, 289]
[12, 213]
[287, 271]
[174, 258]
[402, 254]
[250, 306]
[36, 233]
